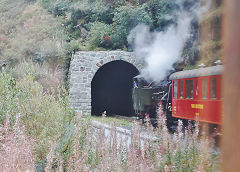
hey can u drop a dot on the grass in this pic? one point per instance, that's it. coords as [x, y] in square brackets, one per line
[112, 121]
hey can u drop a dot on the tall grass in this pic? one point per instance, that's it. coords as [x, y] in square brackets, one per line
[16, 151]
[185, 150]
[40, 132]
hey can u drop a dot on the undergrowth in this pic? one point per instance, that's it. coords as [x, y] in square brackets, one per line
[40, 132]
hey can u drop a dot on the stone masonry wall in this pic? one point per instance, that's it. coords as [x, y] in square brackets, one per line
[84, 65]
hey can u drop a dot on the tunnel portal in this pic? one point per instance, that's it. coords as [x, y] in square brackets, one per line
[111, 89]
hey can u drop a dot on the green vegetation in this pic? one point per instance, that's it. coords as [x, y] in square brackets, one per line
[112, 121]
[34, 34]
[46, 117]
[29, 34]
[114, 19]
[63, 21]
[98, 35]
[49, 31]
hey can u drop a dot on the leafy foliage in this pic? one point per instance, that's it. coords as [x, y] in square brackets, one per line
[125, 19]
[82, 18]
[159, 9]
[99, 36]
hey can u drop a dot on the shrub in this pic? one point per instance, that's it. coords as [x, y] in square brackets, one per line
[160, 10]
[100, 35]
[125, 19]
[72, 46]
[60, 8]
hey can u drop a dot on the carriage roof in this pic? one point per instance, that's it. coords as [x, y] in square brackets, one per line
[207, 71]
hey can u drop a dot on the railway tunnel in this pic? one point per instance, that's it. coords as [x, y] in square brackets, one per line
[111, 89]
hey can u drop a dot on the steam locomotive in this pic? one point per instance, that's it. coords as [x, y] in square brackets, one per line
[186, 95]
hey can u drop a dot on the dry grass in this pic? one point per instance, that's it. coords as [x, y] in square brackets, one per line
[210, 52]
[16, 152]
[94, 150]
[43, 73]
[185, 150]
[211, 15]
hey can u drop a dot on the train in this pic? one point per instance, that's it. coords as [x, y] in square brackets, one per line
[187, 95]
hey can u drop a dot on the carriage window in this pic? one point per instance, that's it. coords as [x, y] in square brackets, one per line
[220, 87]
[213, 88]
[187, 88]
[191, 88]
[175, 89]
[196, 88]
[204, 88]
[181, 89]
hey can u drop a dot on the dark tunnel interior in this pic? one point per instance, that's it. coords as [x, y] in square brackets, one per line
[111, 89]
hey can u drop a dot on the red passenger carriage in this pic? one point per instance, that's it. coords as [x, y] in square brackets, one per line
[197, 94]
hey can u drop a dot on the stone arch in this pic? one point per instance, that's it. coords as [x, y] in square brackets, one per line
[83, 66]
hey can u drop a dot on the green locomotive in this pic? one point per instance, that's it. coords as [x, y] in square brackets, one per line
[147, 95]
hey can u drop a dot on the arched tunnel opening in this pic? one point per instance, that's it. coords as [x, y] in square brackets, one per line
[111, 89]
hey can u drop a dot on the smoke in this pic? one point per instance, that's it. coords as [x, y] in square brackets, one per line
[160, 50]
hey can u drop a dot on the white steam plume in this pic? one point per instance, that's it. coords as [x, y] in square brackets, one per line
[160, 50]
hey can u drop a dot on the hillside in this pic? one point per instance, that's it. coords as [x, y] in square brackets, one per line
[47, 32]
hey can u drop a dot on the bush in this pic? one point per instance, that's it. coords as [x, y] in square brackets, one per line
[120, 16]
[72, 46]
[125, 19]
[60, 8]
[100, 35]
[159, 10]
